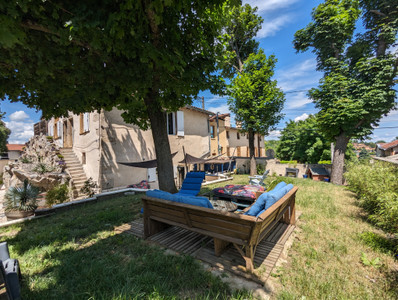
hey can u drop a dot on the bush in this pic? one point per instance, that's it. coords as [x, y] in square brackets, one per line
[89, 187]
[377, 188]
[324, 162]
[42, 168]
[21, 198]
[291, 162]
[260, 169]
[57, 194]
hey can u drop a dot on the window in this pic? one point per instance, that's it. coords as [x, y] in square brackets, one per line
[83, 158]
[212, 129]
[180, 123]
[238, 136]
[228, 152]
[227, 134]
[84, 122]
[171, 123]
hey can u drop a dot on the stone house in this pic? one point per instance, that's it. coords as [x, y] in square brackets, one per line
[97, 142]
[231, 141]
[14, 151]
[387, 149]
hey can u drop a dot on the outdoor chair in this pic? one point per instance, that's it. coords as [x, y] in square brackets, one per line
[258, 179]
[192, 183]
[10, 273]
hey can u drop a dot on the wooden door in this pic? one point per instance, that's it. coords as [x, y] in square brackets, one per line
[68, 133]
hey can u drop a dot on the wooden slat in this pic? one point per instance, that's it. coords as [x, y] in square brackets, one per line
[222, 223]
[167, 210]
[223, 231]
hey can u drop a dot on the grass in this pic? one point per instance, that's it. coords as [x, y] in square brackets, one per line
[76, 254]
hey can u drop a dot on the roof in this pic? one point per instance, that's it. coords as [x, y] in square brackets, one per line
[386, 146]
[220, 116]
[391, 159]
[319, 171]
[15, 147]
[207, 112]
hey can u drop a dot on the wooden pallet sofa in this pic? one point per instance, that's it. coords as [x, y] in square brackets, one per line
[244, 231]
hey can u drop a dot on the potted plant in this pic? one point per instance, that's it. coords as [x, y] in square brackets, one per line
[21, 202]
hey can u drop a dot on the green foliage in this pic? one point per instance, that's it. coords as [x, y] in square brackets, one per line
[89, 187]
[42, 168]
[26, 159]
[324, 162]
[4, 133]
[23, 198]
[274, 180]
[370, 262]
[380, 243]
[260, 169]
[357, 89]
[363, 154]
[272, 144]
[377, 188]
[58, 194]
[254, 97]
[303, 141]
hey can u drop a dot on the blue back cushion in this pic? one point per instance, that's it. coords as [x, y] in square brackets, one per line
[262, 200]
[274, 197]
[195, 175]
[197, 201]
[192, 183]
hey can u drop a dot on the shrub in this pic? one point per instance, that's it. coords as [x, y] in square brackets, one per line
[260, 169]
[376, 186]
[42, 168]
[57, 194]
[26, 160]
[88, 187]
[23, 198]
[292, 162]
[324, 162]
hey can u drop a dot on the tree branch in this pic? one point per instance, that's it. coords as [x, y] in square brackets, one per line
[377, 12]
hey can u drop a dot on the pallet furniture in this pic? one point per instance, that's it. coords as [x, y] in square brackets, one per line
[244, 232]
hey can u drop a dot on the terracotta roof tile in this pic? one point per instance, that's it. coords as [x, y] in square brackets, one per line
[386, 146]
[15, 147]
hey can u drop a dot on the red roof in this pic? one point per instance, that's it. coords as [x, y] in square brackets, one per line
[386, 146]
[15, 147]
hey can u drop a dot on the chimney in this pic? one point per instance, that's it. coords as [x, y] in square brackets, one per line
[227, 121]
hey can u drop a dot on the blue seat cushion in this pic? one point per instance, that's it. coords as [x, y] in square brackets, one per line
[262, 203]
[197, 201]
[160, 195]
[196, 175]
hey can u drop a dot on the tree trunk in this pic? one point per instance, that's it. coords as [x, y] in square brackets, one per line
[338, 159]
[162, 145]
[253, 168]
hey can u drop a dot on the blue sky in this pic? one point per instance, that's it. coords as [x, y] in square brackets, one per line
[295, 73]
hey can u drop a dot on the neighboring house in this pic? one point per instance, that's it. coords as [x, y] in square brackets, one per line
[387, 149]
[231, 141]
[15, 150]
[391, 159]
[101, 140]
[359, 146]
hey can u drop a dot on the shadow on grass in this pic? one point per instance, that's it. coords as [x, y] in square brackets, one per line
[77, 255]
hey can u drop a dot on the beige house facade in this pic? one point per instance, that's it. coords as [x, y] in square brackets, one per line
[102, 140]
[231, 141]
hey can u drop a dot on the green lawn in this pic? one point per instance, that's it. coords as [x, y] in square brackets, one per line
[336, 254]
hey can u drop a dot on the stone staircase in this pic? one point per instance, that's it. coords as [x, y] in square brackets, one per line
[75, 169]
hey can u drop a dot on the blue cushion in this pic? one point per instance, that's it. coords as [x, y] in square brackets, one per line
[191, 186]
[274, 197]
[261, 201]
[196, 175]
[196, 180]
[160, 195]
[197, 201]
[188, 192]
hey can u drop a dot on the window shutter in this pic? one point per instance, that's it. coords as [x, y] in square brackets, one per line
[59, 132]
[180, 123]
[86, 122]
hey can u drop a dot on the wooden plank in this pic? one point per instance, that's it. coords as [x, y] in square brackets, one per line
[166, 210]
[164, 216]
[205, 232]
[222, 223]
[220, 246]
[220, 230]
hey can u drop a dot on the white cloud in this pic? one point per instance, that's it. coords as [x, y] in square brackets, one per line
[21, 132]
[294, 101]
[271, 27]
[269, 5]
[19, 116]
[275, 134]
[301, 118]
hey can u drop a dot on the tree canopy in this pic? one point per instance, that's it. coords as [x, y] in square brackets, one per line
[143, 57]
[303, 141]
[357, 89]
[4, 134]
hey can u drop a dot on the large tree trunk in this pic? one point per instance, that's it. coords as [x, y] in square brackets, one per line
[162, 145]
[338, 159]
[253, 168]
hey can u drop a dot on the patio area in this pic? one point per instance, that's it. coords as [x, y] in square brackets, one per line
[202, 248]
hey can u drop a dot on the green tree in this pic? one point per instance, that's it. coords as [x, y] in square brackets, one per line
[144, 57]
[253, 95]
[363, 154]
[255, 99]
[303, 141]
[4, 134]
[357, 88]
